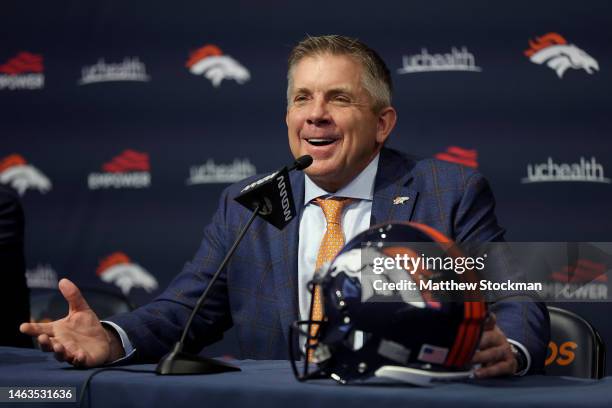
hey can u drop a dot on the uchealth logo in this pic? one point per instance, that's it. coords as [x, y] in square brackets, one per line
[130, 169]
[455, 60]
[554, 51]
[459, 155]
[23, 71]
[561, 354]
[211, 172]
[118, 269]
[19, 174]
[210, 62]
[130, 69]
[41, 276]
[582, 171]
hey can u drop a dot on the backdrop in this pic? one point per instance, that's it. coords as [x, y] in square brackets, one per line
[121, 122]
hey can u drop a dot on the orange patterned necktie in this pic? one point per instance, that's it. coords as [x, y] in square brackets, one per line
[331, 244]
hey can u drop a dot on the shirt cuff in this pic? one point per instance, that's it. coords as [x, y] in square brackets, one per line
[522, 349]
[128, 348]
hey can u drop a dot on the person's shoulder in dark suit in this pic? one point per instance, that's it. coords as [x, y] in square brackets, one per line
[14, 295]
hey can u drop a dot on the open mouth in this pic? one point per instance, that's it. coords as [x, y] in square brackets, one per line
[320, 141]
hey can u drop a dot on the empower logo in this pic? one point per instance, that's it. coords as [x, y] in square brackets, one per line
[16, 172]
[210, 62]
[210, 172]
[130, 69]
[118, 269]
[583, 271]
[554, 51]
[23, 71]
[459, 155]
[455, 60]
[130, 169]
[585, 280]
[549, 171]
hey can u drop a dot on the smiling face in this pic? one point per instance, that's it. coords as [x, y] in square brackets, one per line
[330, 117]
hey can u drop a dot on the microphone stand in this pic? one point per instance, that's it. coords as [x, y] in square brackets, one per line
[180, 362]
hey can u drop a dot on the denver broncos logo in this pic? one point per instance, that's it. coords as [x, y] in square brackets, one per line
[118, 269]
[210, 62]
[554, 50]
[16, 172]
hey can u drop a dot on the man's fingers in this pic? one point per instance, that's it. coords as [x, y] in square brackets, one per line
[36, 329]
[79, 359]
[45, 343]
[59, 351]
[72, 294]
[490, 322]
[495, 370]
[63, 352]
[491, 355]
[491, 338]
[64, 357]
[71, 347]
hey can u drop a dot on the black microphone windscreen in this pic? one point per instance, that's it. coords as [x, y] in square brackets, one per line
[302, 162]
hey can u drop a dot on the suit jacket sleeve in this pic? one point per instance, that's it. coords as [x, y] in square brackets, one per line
[154, 328]
[525, 320]
[14, 297]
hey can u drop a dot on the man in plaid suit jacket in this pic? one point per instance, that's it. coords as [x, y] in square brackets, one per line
[258, 292]
[339, 112]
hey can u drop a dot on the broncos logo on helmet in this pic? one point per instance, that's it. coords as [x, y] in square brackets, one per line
[558, 55]
[20, 175]
[210, 62]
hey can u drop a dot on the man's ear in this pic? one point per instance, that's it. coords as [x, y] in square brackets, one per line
[387, 118]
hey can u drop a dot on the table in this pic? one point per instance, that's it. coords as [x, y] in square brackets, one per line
[271, 384]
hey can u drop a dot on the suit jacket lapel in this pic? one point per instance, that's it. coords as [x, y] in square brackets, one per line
[284, 251]
[394, 198]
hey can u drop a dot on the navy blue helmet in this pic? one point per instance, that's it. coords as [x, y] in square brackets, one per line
[373, 326]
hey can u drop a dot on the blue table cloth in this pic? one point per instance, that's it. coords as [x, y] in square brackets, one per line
[271, 384]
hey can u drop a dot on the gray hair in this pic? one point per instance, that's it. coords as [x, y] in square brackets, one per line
[376, 78]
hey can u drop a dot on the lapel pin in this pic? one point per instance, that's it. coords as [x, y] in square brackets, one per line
[400, 200]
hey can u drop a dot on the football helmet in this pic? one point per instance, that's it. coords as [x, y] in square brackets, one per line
[373, 328]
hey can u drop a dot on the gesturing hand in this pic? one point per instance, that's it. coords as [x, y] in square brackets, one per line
[494, 352]
[78, 338]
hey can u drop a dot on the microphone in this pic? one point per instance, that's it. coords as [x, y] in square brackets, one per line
[270, 198]
[273, 194]
[301, 163]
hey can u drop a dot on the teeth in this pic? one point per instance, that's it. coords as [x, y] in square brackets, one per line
[320, 142]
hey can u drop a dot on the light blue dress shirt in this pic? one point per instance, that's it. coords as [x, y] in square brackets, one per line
[355, 219]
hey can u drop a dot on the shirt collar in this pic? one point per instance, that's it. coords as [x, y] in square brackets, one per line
[361, 187]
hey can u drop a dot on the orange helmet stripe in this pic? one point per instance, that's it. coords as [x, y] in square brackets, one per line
[455, 349]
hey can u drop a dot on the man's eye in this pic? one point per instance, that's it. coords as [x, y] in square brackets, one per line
[341, 99]
[300, 98]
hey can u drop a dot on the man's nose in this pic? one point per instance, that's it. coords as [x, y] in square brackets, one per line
[319, 114]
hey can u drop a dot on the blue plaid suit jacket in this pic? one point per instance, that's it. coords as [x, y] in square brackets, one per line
[257, 293]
